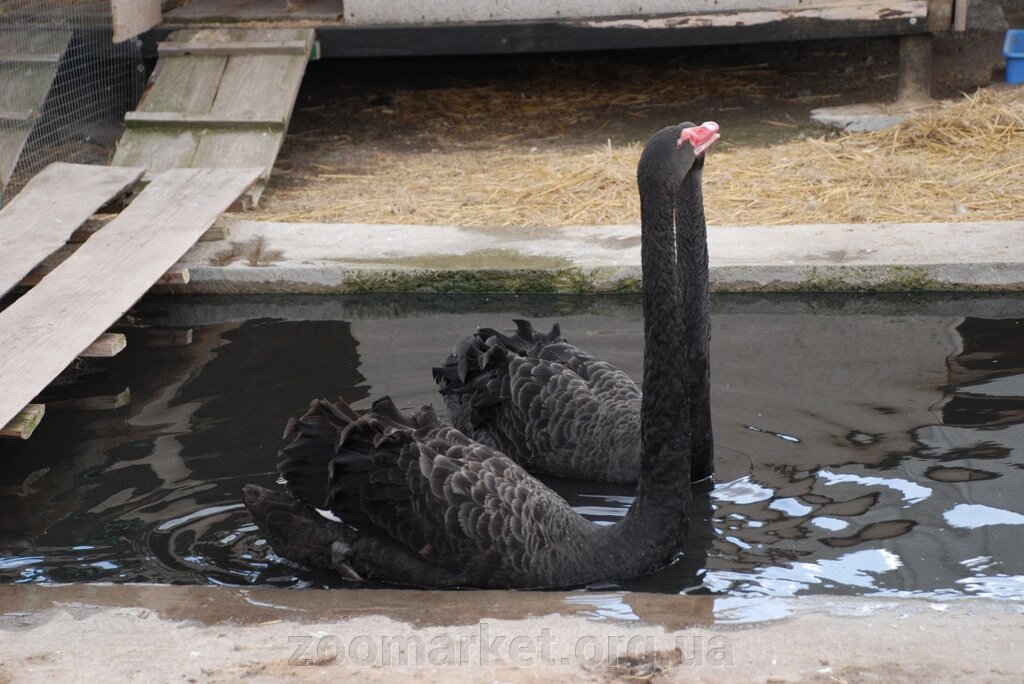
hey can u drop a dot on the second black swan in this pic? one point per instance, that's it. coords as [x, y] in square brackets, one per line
[557, 409]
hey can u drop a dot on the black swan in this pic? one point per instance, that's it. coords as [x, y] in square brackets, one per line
[406, 500]
[556, 409]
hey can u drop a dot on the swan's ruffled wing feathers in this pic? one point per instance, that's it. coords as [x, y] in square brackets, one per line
[317, 438]
[487, 349]
[543, 402]
[452, 502]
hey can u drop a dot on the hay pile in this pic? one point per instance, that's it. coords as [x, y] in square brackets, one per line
[961, 162]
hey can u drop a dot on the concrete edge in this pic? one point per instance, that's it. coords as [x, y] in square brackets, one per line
[278, 258]
[155, 633]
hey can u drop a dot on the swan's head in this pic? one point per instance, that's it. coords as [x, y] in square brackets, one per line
[673, 152]
[700, 137]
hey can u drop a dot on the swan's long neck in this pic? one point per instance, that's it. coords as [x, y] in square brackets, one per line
[692, 260]
[663, 494]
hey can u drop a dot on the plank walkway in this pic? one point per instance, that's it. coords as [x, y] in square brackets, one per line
[219, 98]
[44, 330]
[28, 65]
[42, 217]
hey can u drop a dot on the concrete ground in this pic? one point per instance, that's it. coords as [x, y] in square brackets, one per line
[263, 257]
[216, 634]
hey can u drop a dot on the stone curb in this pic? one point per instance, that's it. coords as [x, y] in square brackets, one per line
[262, 257]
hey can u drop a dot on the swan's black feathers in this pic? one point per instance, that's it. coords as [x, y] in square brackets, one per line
[422, 489]
[402, 498]
[544, 403]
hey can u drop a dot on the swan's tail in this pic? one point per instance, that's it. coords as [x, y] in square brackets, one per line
[331, 452]
[471, 378]
[332, 435]
[296, 531]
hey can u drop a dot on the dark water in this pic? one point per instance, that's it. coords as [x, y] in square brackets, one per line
[865, 446]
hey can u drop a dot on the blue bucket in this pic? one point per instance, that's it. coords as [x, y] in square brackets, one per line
[1013, 49]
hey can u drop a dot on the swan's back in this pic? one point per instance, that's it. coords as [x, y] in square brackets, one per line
[545, 403]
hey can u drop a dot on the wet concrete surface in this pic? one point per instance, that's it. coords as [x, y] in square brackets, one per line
[161, 633]
[253, 605]
[296, 258]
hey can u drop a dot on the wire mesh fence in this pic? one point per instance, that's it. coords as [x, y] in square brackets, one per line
[64, 86]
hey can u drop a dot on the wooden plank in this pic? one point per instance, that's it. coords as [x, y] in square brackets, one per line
[237, 149]
[23, 88]
[48, 264]
[44, 330]
[92, 224]
[132, 17]
[156, 150]
[377, 13]
[100, 402]
[24, 85]
[105, 346]
[195, 48]
[24, 423]
[256, 10]
[41, 218]
[162, 337]
[219, 231]
[220, 106]
[960, 15]
[251, 199]
[862, 11]
[940, 15]
[175, 275]
[175, 120]
[12, 141]
[52, 57]
[23, 40]
[185, 85]
[260, 86]
[23, 115]
[228, 34]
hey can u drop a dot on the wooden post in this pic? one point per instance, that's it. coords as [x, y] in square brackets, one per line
[915, 68]
[105, 346]
[960, 15]
[24, 423]
[132, 17]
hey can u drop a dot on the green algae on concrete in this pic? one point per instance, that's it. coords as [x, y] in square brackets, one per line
[427, 277]
[870, 278]
[508, 271]
[487, 271]
[570, 280]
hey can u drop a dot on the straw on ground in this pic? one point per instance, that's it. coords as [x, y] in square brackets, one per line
[961, 162]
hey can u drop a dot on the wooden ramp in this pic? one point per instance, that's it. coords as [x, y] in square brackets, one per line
[41, 218]
[71, 308]
[220, 98]
[28, 64]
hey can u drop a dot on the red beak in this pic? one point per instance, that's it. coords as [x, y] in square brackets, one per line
[701, 137]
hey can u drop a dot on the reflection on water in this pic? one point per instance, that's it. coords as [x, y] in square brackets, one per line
[865, 446]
